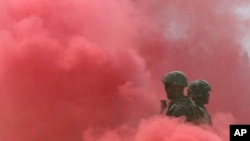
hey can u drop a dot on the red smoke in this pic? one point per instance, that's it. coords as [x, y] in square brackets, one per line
[91, 70]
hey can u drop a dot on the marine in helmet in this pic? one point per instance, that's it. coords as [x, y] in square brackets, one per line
[179, 105]
[198, 90]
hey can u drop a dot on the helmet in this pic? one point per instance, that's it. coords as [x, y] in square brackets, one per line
[198, 88]
[176, 78]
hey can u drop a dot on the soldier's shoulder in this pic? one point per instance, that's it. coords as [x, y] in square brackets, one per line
[183, 101]
[206, 116]
[180, 106]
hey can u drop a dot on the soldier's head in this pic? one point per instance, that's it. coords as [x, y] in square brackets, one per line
[174, 83]
[198, 90]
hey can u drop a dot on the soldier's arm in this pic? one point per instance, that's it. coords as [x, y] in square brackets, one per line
[163, 106]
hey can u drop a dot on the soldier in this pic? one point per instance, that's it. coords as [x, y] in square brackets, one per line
[198, 90]
[179, 105]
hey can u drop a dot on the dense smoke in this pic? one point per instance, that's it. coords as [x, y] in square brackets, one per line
[91, 70]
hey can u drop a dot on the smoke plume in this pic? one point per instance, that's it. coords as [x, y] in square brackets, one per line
[91, 70]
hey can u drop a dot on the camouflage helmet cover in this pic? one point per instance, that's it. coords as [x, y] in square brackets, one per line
[176, 78]
[198, 88]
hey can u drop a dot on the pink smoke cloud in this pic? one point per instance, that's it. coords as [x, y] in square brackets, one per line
[91, 70]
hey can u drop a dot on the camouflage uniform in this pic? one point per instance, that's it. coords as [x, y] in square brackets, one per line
[180, 105]
[207, 118]
[198, 90]
[184, 107]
